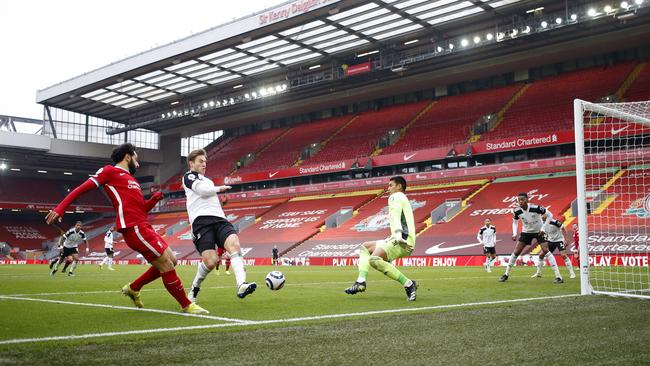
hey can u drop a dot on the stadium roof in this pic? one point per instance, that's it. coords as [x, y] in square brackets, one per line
[245, 50]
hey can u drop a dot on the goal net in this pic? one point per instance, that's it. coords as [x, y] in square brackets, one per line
[613, 206]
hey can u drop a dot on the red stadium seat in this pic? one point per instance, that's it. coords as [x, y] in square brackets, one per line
[358, 140]
[450, 119]
[547, 105]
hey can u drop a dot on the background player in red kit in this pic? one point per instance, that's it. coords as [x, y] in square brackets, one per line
[131, 209]
[576, 244]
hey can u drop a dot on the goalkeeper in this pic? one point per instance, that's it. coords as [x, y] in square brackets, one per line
[378, 254]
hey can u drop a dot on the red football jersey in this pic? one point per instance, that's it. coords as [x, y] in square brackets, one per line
[576, 239]
[124, 192]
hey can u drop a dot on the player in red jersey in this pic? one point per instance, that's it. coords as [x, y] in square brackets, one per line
[131, 209]
[220, 253]
[576, 246]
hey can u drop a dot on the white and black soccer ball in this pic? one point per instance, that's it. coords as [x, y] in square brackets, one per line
[275, 280]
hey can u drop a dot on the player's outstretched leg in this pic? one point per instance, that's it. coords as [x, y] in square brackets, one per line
[132, 289]
[569, 266]
[233, 248]
[243, 288]
[207, 265]
[551, 259]
[511, 263]
[56, 268]
[67, 263]
[364, 264]
[538, 266]
[74, 266]
[393, 273]
[101, 264]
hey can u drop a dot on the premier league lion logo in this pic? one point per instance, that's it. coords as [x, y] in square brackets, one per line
[640, 207]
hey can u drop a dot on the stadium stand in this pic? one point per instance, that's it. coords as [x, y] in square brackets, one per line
[639, 90]
[26, 234]
[358, 140]
[45, 191]
[547, 104]
[286, 150]
[450, 119]
[222, 159]
[371, 221]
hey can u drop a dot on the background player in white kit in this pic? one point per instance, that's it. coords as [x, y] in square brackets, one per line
[71, 240]
[532, 231]
[108, 247]
[557, 237]
[210, 228]
[487, 236]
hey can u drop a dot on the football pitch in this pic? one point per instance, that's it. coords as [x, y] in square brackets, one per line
[462, 315]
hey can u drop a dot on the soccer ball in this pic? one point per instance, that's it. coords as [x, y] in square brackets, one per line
[275, 280]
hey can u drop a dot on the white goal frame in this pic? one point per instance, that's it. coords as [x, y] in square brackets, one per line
[579, 109]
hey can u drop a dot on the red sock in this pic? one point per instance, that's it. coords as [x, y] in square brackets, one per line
[227, 264]
[175, 288]
[149, 275]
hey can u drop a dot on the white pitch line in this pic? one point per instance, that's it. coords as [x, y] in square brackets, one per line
[277, 321]
[211, 317]
[222, 287]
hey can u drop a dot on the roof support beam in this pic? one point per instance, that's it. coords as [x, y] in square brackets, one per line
[49, 117]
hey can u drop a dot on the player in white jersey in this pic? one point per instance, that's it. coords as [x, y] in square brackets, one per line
[557, 236]
[70, 241]
[210, 228]
[487, 236]
[532, 231]
[108, 247]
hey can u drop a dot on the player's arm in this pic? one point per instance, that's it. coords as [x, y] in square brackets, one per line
[151, 202]
[203, 187]
[547, 216]
[394, 217]
[91, 183]
[565, 234]
[515, 228]
[479, 236]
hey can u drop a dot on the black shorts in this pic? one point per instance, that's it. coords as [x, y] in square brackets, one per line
[552, 245]
[210, 232]
[527, 238]
[489, 250]
[109, 251]
[69, 251]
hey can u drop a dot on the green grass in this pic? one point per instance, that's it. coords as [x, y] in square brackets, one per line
[562, 330]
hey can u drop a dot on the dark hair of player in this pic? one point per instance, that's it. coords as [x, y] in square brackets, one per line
[121, 151]
[525, 195]
[399, 180]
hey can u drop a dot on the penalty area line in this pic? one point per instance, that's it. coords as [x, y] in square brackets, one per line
[211, 317]
[244, 323]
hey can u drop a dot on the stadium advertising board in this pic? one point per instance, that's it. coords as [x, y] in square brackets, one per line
[337, 166]
[639, 260]
[525, 142]
[358, 69]
[410, 157]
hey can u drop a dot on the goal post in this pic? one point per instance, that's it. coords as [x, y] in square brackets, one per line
[612, 142]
